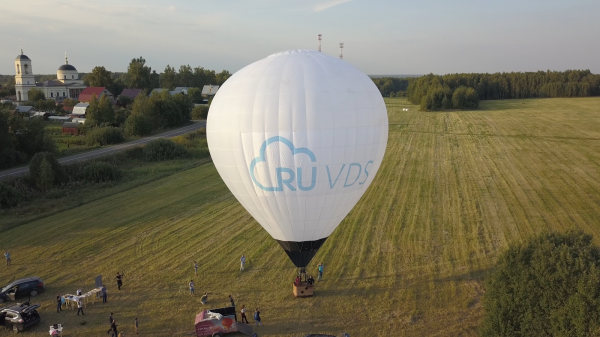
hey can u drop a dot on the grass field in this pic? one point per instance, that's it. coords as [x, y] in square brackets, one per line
[454, 190]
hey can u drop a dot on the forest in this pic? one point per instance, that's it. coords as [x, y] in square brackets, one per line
[427, 90]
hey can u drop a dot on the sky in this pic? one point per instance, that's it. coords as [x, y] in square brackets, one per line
[380, 37]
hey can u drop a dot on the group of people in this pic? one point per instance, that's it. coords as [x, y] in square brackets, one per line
[244, 319]
[243, 311]
[113, 331]
[60, 301]
[311, 280]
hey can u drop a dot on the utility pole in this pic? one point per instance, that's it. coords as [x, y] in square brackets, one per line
[341, 50]
[319, 38]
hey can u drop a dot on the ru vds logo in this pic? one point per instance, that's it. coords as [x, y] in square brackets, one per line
[294, 178]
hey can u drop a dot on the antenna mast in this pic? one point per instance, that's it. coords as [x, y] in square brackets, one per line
[319, 38]
[341, 50]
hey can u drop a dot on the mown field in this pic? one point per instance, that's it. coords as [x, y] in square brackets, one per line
[454, 190]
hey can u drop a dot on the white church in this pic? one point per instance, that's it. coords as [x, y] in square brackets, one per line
[66, 85]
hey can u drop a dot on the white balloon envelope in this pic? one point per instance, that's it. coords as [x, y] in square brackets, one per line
[298, 137]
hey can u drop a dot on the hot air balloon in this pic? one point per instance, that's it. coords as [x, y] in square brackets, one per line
[298, 137]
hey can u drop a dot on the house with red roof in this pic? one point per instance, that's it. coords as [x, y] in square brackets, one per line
[87, 94]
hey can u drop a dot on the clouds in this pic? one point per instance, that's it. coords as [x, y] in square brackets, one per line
[380, 36]
[328, 4]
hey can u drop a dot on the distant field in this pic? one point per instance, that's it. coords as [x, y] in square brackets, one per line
[454, 189]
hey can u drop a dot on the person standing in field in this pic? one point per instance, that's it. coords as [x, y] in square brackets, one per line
[119, 279]
[195, 268]
[79, 307]
[242, 263]
[321, 267]
[231, 300]
[243, 311]
[257, 316]
[7, 256]
[58, 303]
[110, 321]
[104, 295]
[136, 326]
[191, 284]
[113, 328]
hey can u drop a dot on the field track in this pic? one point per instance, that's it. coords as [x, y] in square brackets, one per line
[454, 190]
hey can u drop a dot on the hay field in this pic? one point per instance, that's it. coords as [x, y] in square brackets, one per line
[455, 188]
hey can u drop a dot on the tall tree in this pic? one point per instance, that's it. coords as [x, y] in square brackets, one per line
[36, 95]
[154, 80]
[184, 77]
[138, 74]
[100, 77]
[221, 77]
[99, 112]
[168, 79]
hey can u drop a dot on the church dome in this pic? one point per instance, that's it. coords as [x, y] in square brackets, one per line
[22, 57]
[66, 67]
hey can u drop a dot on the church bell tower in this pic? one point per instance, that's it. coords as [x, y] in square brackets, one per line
[24, 79]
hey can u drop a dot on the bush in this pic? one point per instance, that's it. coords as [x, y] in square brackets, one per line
[549, 286]
[163, 149]
[43, 166]
[121, 116]
[193, 139]
[198, 134]
[83, 129]
[9, 196]
[200, 112]
[101, 172]
[181, 140]
[104, 136]
[45, 180]
[135, 153]
[137, 125]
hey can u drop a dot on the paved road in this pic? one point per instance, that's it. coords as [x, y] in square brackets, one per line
[23, 171]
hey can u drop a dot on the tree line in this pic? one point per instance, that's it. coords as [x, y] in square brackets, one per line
[139, 75]
[427, 90]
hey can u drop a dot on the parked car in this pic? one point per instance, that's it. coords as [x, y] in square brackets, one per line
[20, 317]
[25, 287]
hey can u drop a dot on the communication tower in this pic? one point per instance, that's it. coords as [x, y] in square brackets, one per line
[341, 50]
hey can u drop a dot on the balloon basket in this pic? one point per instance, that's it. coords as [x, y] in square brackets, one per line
[303, 290]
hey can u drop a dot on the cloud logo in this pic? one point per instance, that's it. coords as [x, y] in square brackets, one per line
[290, 175]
